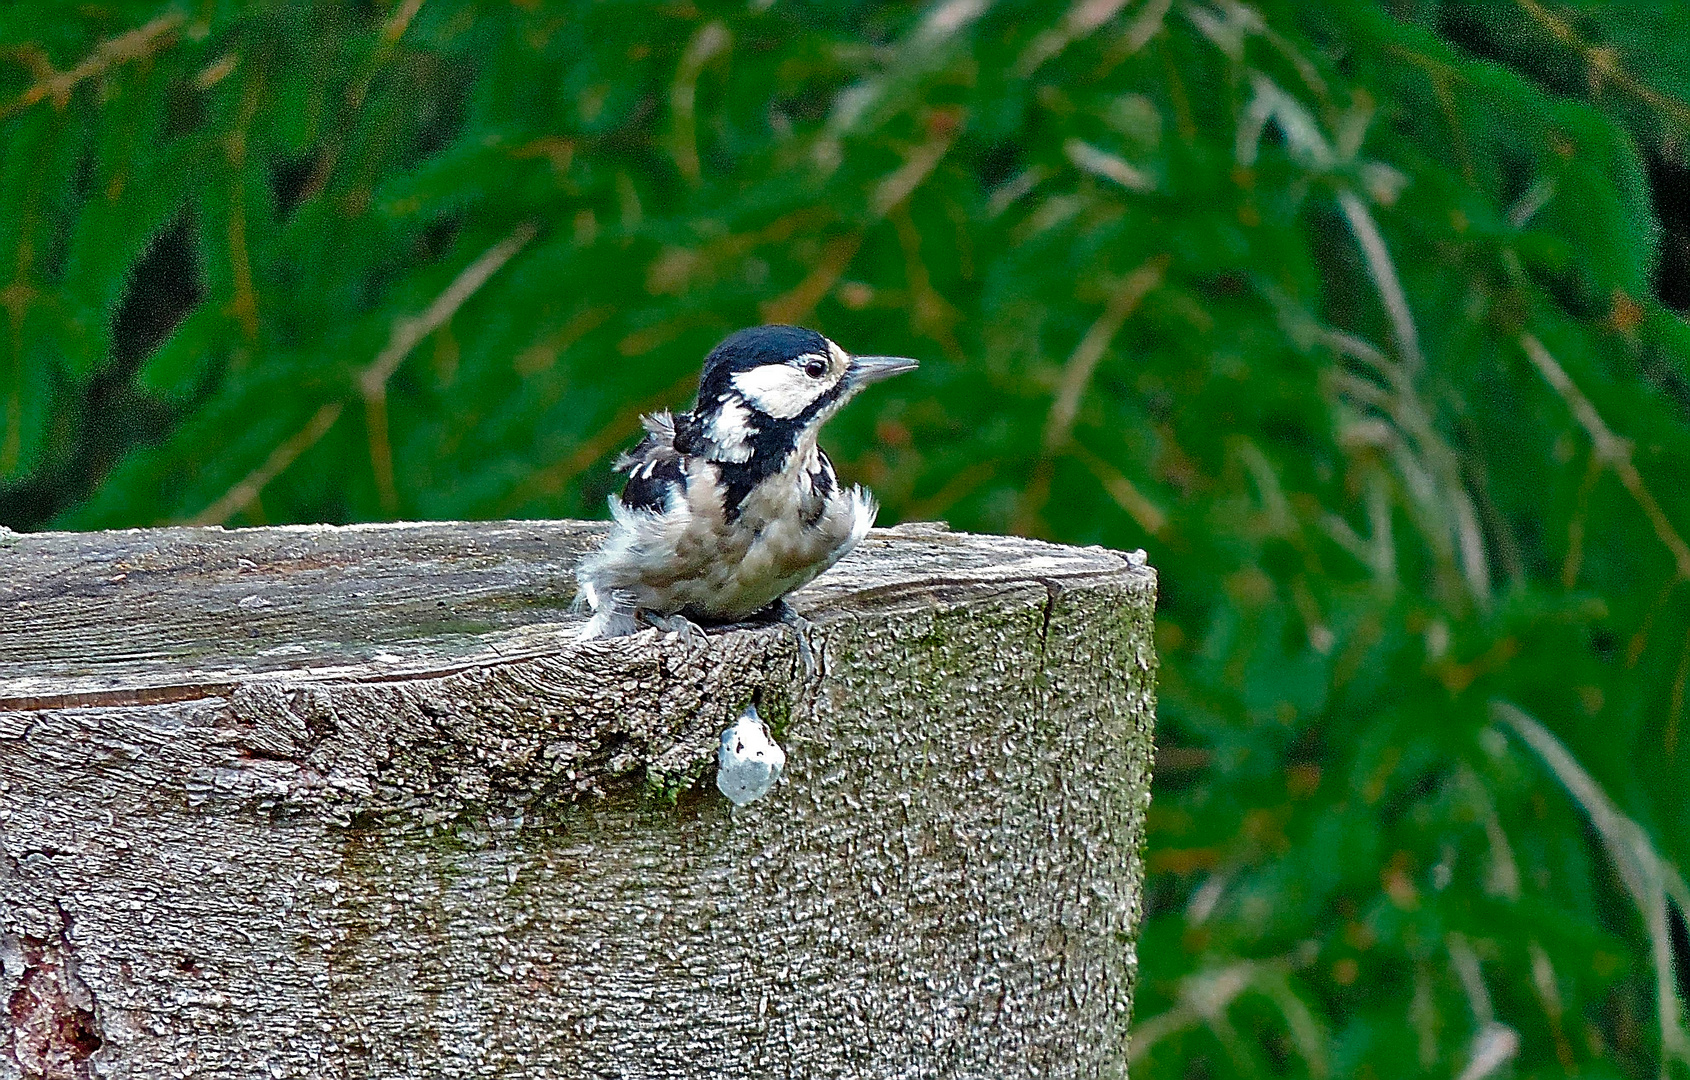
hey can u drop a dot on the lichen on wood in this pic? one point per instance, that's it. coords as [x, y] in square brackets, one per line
[319, 801]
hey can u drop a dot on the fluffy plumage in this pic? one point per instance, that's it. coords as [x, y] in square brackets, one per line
[732, 505]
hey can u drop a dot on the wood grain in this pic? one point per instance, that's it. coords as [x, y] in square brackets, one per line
[319, 801]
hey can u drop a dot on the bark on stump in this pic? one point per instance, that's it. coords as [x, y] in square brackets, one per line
[351, 802]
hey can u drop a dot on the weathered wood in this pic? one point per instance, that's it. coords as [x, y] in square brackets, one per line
[351, 802]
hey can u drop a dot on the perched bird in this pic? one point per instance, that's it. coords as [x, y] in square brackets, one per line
[731, 506]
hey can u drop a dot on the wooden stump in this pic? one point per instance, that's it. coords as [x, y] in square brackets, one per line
[352, 802]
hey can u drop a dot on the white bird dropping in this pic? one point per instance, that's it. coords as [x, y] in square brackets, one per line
[748, 762]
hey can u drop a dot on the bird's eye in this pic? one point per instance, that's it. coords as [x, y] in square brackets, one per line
[815, 369]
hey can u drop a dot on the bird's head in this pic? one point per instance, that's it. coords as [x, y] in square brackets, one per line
[769, 386]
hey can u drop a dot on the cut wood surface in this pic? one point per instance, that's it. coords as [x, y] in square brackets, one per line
[351, 801]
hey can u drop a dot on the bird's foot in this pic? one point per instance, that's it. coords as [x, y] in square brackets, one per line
[679, 625]
[782, 612]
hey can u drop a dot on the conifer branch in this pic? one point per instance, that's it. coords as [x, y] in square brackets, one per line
[1640, 639]
[962, 483]
[246, 492]
[1675, 709]
[1077, 372]
[113, 52]
[923, 159]
[1149, 516]
[1083, 17]
[892, 191]
[244, 304]
[930, 313]
[1575, 525]
[394, 28]
[1648, 877]
[797, 302]
[710, 41]
[1604, 63]
[1610, 449]
[1076, 375]
[1384, 274]
[407, 333]
[1442, 460]
[552, 479]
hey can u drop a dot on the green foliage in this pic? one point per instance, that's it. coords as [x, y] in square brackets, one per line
[1352, 315]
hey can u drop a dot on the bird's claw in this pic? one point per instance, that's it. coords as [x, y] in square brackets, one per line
[800, 626]
[679, 625]
[780, 612]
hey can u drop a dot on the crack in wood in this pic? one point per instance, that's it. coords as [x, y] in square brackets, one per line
[55, 1029]
[107, 699]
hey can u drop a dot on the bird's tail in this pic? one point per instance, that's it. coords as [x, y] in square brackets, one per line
[613, 615]
[608, 622]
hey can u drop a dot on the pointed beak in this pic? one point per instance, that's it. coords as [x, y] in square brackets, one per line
[871, 369]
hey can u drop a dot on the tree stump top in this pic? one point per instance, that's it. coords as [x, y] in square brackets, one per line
[147, 615]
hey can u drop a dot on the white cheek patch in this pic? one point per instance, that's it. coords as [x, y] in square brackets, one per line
[731, 430]
[779, 390]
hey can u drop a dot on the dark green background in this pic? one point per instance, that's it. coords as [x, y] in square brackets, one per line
[1365, 319]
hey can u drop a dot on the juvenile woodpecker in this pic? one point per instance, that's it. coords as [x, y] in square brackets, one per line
[731, 506]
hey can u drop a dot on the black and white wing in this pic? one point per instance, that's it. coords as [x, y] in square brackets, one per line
[654, 467]
[608, 578]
